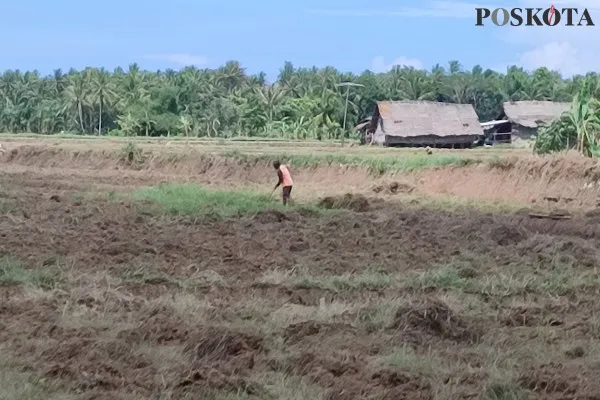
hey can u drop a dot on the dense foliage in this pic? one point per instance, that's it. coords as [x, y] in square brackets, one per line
[226, 102]
[578, 128]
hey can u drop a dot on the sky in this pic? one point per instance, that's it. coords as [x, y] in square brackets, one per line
[351, 35]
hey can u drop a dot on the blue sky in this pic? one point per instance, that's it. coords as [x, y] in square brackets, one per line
[351, 35]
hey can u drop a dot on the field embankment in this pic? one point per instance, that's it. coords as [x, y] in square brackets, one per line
[494, 176]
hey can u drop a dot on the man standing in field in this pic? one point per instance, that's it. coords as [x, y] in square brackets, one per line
[285, 179]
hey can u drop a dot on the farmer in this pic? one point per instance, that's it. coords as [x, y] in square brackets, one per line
[285, 179]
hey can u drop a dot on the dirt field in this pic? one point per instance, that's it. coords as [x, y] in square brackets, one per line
[401, 286]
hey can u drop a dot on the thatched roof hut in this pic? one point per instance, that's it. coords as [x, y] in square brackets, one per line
[424, 123]
[526, 117]
[533, 114]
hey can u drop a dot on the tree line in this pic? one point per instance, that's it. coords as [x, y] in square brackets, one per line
[303, 103]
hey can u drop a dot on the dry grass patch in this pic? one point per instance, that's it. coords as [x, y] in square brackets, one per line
[289, 387]
[496, 374]
[379, 313]
[407, 359]
[277, 277]
[16, 384]
[100, 300]
[369, 279]
[325, 312]
[163, 357]
[593, 325]
[140, 275]
[185, 305]
[271, 317]
[368, 315]
[447, 203]
[211, 394]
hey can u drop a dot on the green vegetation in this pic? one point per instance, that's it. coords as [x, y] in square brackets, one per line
[195, 200]
[370, 279]
[303, 103]
[6, 206]
[132, 154]
[505, 391]
[375, 164]
[560, 280]
[12, 272]
[578, 128]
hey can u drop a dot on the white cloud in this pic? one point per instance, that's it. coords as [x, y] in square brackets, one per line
[556, 56]
[561, 48]
[379, 64]
[181, 59]
[568, 50]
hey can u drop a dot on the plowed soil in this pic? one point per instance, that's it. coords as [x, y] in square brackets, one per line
[380, 300]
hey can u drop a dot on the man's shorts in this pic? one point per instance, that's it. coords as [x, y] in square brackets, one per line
[287, 191]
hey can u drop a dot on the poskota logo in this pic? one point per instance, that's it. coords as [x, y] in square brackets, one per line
[551, 16]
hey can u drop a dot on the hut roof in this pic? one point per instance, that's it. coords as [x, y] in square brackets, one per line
[421, 118]
[532, 114]
[363, 123]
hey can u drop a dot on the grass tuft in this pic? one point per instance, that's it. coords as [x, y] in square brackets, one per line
[7, 206]
[132, 155]
[503, 391]
[366, 280]
[406, 359]
[370, 279]
[13, 273]
[445, 277]
[18, 385]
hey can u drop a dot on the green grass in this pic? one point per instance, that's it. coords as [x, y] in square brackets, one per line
[444, 277]
[195, 200]
[518, 281]
[375, 164]
[13, 273]
[504, 391]
[7, 206]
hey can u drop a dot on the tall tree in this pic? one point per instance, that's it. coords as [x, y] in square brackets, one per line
[227, 101]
